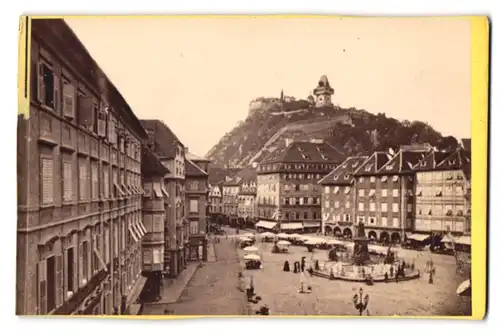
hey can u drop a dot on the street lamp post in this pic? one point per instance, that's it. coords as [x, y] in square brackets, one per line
[360, 301]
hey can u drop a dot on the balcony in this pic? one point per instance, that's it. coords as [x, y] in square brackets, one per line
[71, 305]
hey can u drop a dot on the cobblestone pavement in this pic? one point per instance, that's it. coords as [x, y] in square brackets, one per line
[278, 289]
[213, 290]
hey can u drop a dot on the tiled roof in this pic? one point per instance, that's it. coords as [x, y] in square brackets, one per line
[305, 152]
[165, 141]
[455, 160]
[402, 162]
[373, 164]
[246, 175]
[151, 165]
[431, 161]
[193, 170]
[342, 174]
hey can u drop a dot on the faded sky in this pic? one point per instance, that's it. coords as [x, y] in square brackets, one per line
[198, 75]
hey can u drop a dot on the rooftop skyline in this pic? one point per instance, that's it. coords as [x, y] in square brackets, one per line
[198, 75]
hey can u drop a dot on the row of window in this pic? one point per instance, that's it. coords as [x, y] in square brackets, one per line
[439, 210]
[383, 193]
[442, 225]
[337, 217]
[290, 216]
[296, 166]
[383, 179]
[94, 181]
[59, 94]
[301, 201]
[439, 191]
[383, 207]
[440, 175]
[267, 200]
[60, 276]
[384, 221]
[301, 187]
[301, 176]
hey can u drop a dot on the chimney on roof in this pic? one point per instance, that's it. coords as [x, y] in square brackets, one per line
[288, 141]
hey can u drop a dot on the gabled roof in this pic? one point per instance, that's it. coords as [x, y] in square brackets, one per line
[402, 162]
[193, 170]
[165, 141]
[455, 160]
[151, 165]
[342, 174]
[300, 152]
[373, 164]
[215, 191]
[431, 161]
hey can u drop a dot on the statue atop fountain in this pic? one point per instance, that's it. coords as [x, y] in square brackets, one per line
[360, 255]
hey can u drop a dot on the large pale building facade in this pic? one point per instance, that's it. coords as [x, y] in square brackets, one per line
[79, 184]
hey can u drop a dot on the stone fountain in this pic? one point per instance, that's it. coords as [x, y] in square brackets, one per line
[361, 255]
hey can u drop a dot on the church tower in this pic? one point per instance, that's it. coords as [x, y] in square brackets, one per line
[323, 93]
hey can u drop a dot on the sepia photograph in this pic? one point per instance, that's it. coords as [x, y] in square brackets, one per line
[246, 166]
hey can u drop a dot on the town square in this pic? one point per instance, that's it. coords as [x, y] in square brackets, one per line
[229, 183]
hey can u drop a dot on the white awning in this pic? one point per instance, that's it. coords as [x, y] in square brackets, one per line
[266, 224]
[99, 257]
[465, 240]
[137, 230]
[142, 227]
[133, 233]
[312, 224]
[292, 225]
[418, 237]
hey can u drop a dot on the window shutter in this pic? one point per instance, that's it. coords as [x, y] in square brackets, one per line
[40, 84]
[67, 182]
[80, 264]
[57, 94]
[85, 111]
[95, 181]
[59, 280]
[68, 100]
[42, 288]
[47, 181]
[101, 124]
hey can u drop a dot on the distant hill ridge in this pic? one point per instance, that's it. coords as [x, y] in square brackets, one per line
[271, 121]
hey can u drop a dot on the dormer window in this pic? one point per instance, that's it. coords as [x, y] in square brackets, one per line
[424, 163]
[451, 162]
[335, 177]
[368, 167]
[389, 167]
[347, 176]
[355, 164]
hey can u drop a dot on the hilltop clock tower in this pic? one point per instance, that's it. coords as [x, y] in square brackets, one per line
[323, 93]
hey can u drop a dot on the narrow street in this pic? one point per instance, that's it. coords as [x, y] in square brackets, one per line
[213, 290]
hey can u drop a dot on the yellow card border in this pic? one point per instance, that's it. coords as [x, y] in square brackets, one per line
[479, 34]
